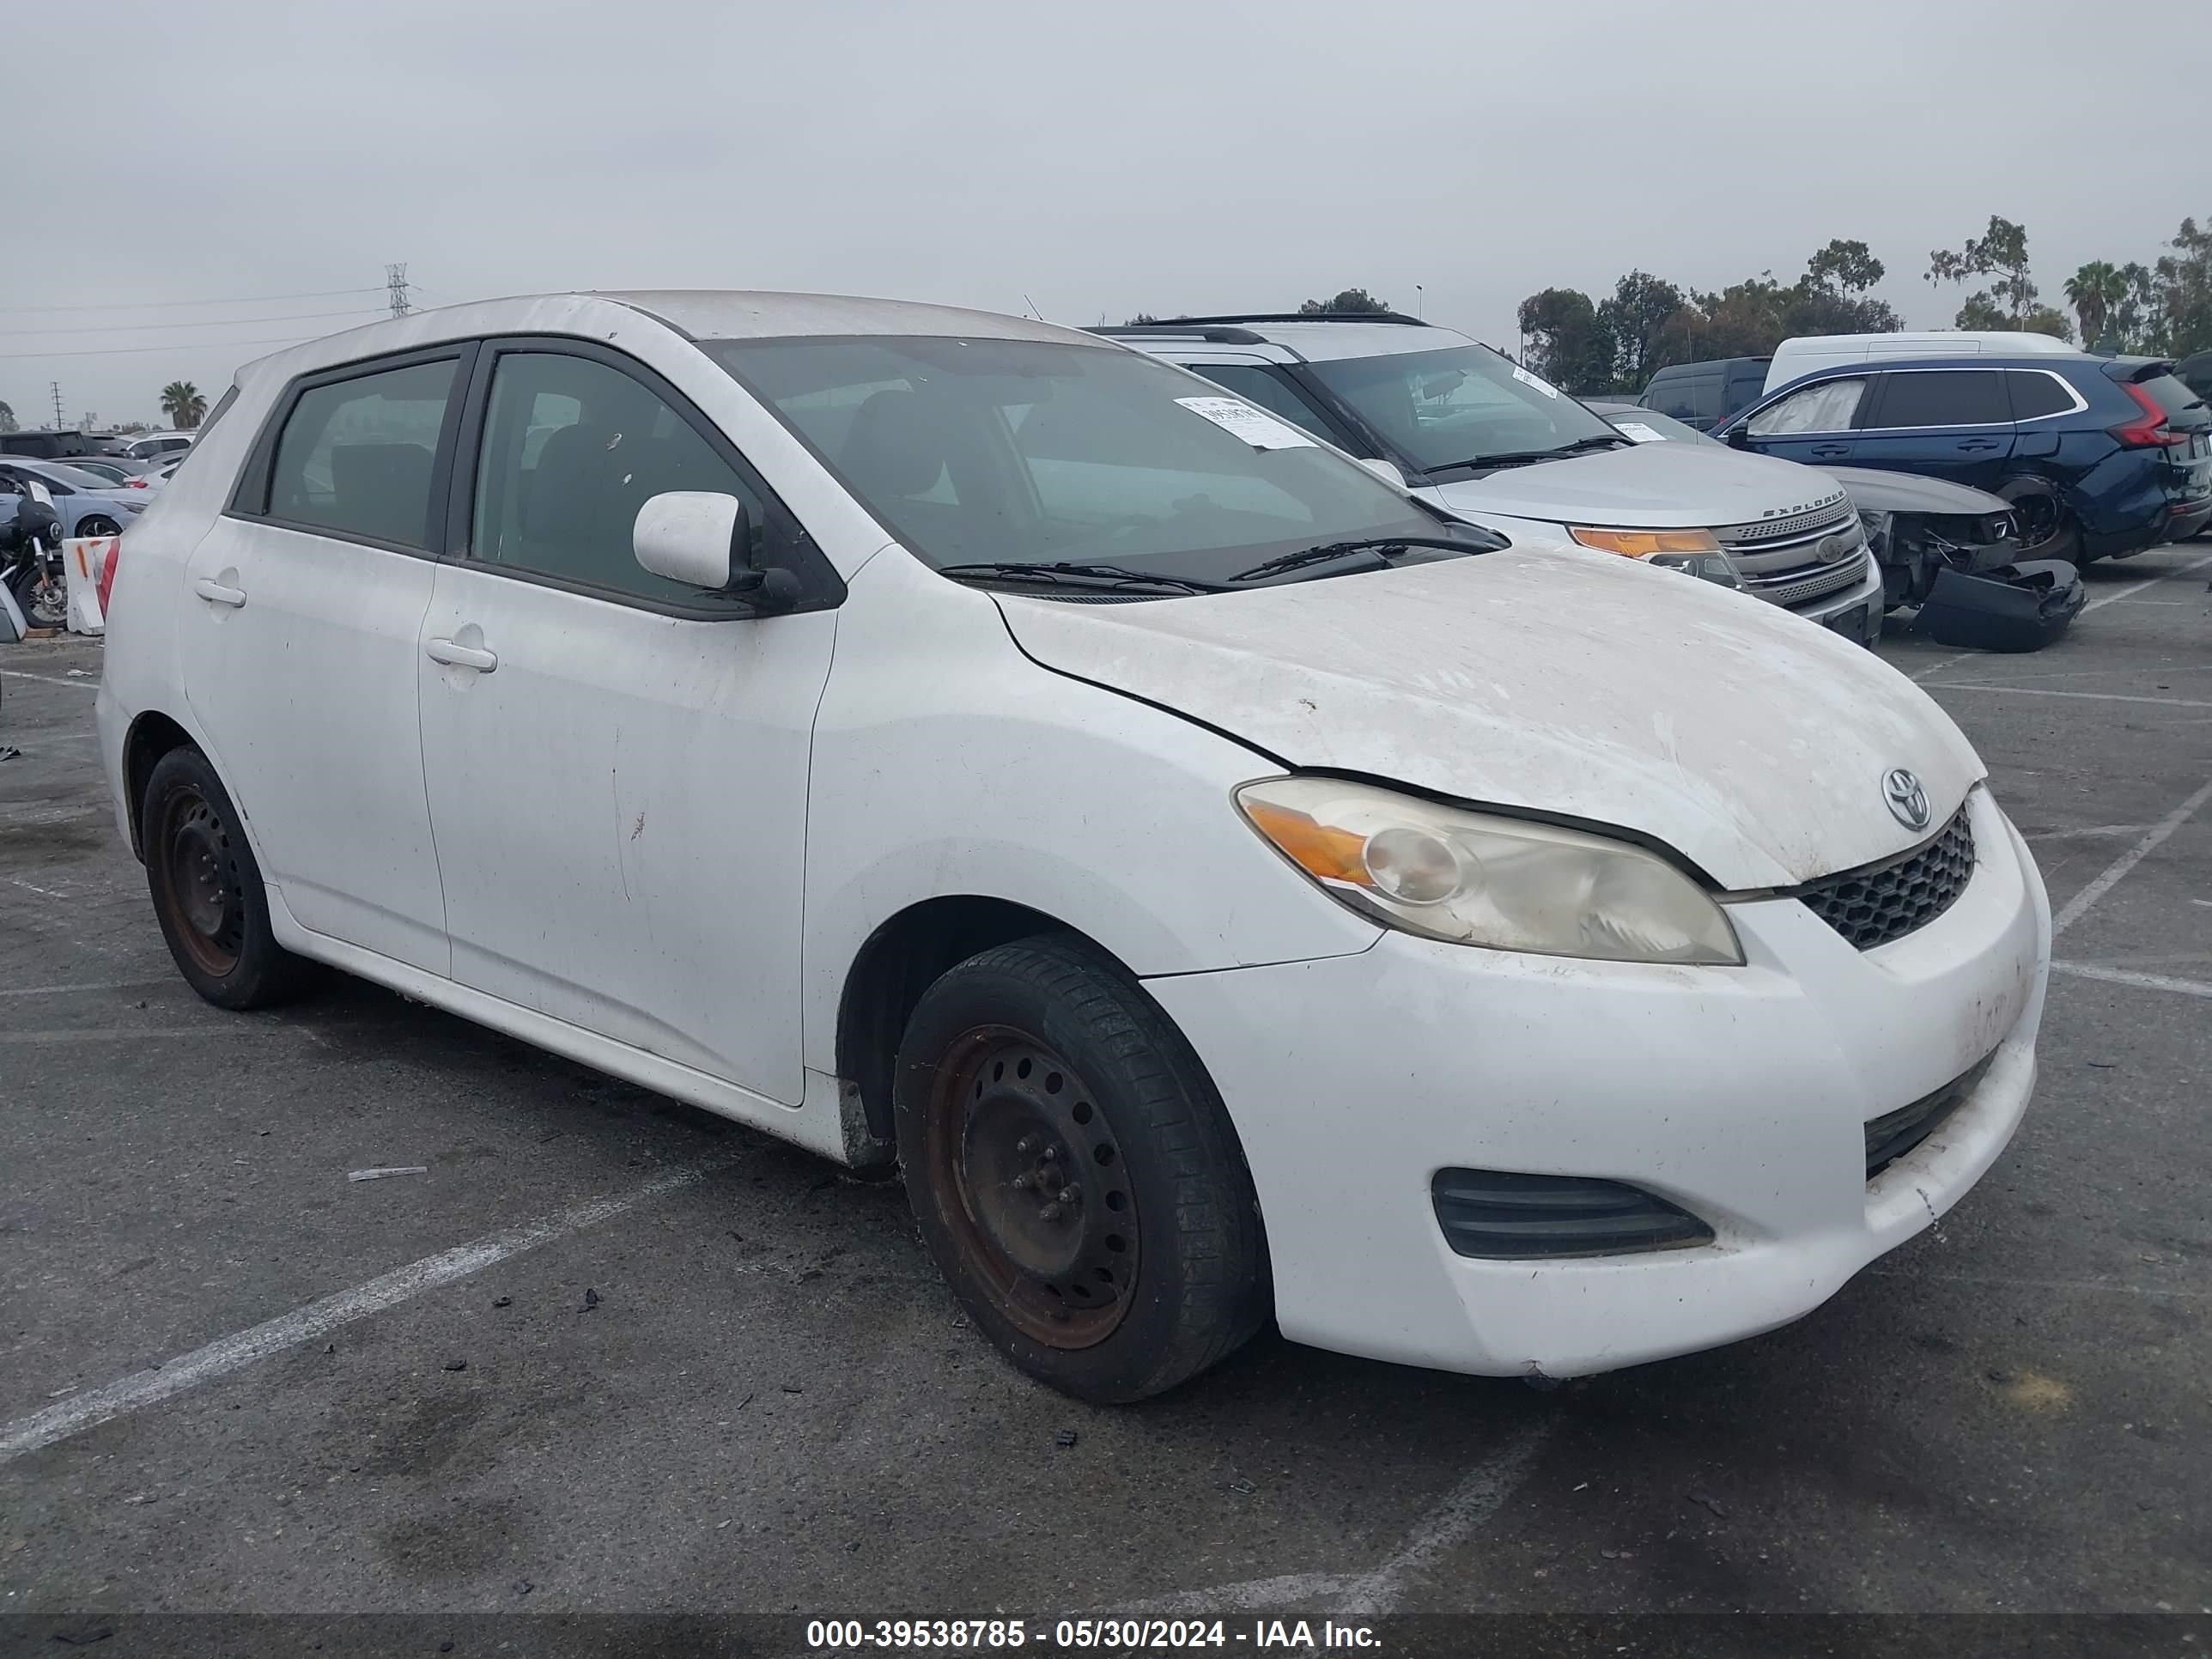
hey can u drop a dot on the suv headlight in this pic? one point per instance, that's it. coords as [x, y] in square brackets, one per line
[1696, 552]
[1474, 879]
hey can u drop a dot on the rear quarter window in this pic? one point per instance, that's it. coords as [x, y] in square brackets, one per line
[2035, 394]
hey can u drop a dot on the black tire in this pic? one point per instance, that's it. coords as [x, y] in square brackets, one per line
[44, 604]
[2047, 530]
[1157, 1261]
[94, 525]
[207, 889]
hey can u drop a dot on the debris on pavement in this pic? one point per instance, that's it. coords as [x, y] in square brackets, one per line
[591, 1299]
[1700, 1499]
[1065, 1437]
[1243, 1488]
[457, 1365]
[8, 752]
[394, 1170]
[502, 1302]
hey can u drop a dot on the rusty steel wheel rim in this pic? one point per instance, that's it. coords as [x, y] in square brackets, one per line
[1029, 1175]
[204, 893]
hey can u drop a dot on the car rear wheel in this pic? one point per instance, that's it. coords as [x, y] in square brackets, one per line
[1075, 1174]
[94, 525]
[207, 889]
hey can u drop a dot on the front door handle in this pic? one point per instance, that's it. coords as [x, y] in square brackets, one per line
[215, 594]
[462, 656]
[1829, 452]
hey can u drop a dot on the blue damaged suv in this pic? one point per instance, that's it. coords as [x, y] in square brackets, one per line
[2102, 456]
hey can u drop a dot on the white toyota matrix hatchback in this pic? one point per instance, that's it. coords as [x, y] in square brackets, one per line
[1224, 885]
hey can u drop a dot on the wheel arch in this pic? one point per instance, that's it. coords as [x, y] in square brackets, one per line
[898, 962]
[152, 735]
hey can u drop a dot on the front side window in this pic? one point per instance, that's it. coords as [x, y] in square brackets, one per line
[356, 455]
[1464, 406]
[1828, 407]
[572, 448]
[1021, 450]
[1942, 397]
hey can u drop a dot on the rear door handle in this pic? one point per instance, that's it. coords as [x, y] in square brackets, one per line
[215, 594]
[462, 656]
[1977, 443]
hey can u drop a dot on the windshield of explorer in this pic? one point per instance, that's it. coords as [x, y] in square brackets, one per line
[995, 452]
[1465, 406]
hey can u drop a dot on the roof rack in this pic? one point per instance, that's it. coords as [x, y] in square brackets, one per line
[1180, 326]
[1188, 324]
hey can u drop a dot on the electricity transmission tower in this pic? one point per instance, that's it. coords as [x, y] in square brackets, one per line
[395, 284]
[58, 422]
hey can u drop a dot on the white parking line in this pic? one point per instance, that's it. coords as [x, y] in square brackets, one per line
[2084, 696]
[320, 1318]
[88, 985]
[2189, 987]
[2083, 902]
[141, 1033]
[89, 683]
[2147, 582]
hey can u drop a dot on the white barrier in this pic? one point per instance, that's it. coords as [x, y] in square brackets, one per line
[84, 562]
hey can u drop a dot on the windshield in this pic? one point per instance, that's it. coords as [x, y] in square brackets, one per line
[1460, 406]
[1018, 451]
[1646, 426]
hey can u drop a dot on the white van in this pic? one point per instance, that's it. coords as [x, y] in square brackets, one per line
[1808, 352]
[1224, 885]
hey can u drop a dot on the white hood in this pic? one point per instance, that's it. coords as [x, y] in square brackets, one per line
[1563, 682]
[1647, 487]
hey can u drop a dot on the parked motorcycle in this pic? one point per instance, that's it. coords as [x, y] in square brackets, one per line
[31, 560]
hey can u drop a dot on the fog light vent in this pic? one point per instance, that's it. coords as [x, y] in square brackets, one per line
[1498, 1215]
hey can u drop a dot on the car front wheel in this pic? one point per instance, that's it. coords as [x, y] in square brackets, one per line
[1074, 1173]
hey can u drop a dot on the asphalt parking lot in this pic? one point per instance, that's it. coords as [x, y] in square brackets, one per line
[685, 1369]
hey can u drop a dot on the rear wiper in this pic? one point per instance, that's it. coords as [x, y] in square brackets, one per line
[1384, 548]
[1086, 575]
[1527, 457]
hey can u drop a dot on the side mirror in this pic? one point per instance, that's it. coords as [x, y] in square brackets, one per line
[1386, 471]
[703, 539]
[1739, 437]
[690, 536]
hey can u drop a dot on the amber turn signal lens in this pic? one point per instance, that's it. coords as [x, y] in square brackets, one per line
[1322, 852]
[1642, 544]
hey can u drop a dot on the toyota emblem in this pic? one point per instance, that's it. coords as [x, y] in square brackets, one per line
[1908, 800]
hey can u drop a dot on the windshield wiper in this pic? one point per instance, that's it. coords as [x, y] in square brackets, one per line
[1087, 575]
[1528, 457]
[1384, 548]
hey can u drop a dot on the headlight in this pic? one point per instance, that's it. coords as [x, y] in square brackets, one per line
[1476, 879]
[1694, 552]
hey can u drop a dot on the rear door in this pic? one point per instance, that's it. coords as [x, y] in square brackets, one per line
[1953, 423]
[617, 763]
[302, 609]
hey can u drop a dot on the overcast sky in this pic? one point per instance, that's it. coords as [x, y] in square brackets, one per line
[1100, 160]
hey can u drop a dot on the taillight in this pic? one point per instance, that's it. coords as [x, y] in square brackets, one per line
[2150, 431]
[138, 483]
[107, 572]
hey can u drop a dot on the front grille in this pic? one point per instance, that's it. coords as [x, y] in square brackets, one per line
[1873, 906]
[1892, 1135]
[1496, 1215]
[1763, 531]
[1806, 583]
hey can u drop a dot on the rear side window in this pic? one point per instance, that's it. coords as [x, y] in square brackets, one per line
[1270, 391]
[2175, 399]
[1830, 406]
[1942, 397]
[2035, 395]
[356, 456]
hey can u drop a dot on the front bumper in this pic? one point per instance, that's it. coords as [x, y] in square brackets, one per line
[1740, 1094]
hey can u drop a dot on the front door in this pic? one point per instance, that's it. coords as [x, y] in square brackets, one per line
[617, 763]
[298, 639]
[1814, 424]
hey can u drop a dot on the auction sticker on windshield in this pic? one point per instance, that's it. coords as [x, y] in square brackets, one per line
[1254, 427]
[1636, 433]
[1527, 378]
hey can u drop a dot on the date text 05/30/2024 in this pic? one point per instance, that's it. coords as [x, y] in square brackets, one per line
[831, 1635]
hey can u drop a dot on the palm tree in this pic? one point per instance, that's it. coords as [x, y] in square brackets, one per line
[182, 403]
[2092, 291]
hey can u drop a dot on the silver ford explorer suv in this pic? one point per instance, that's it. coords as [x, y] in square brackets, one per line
[1495, 444]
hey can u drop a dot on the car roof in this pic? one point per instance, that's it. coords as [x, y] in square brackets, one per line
[1963, 364]
[1316, 339]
